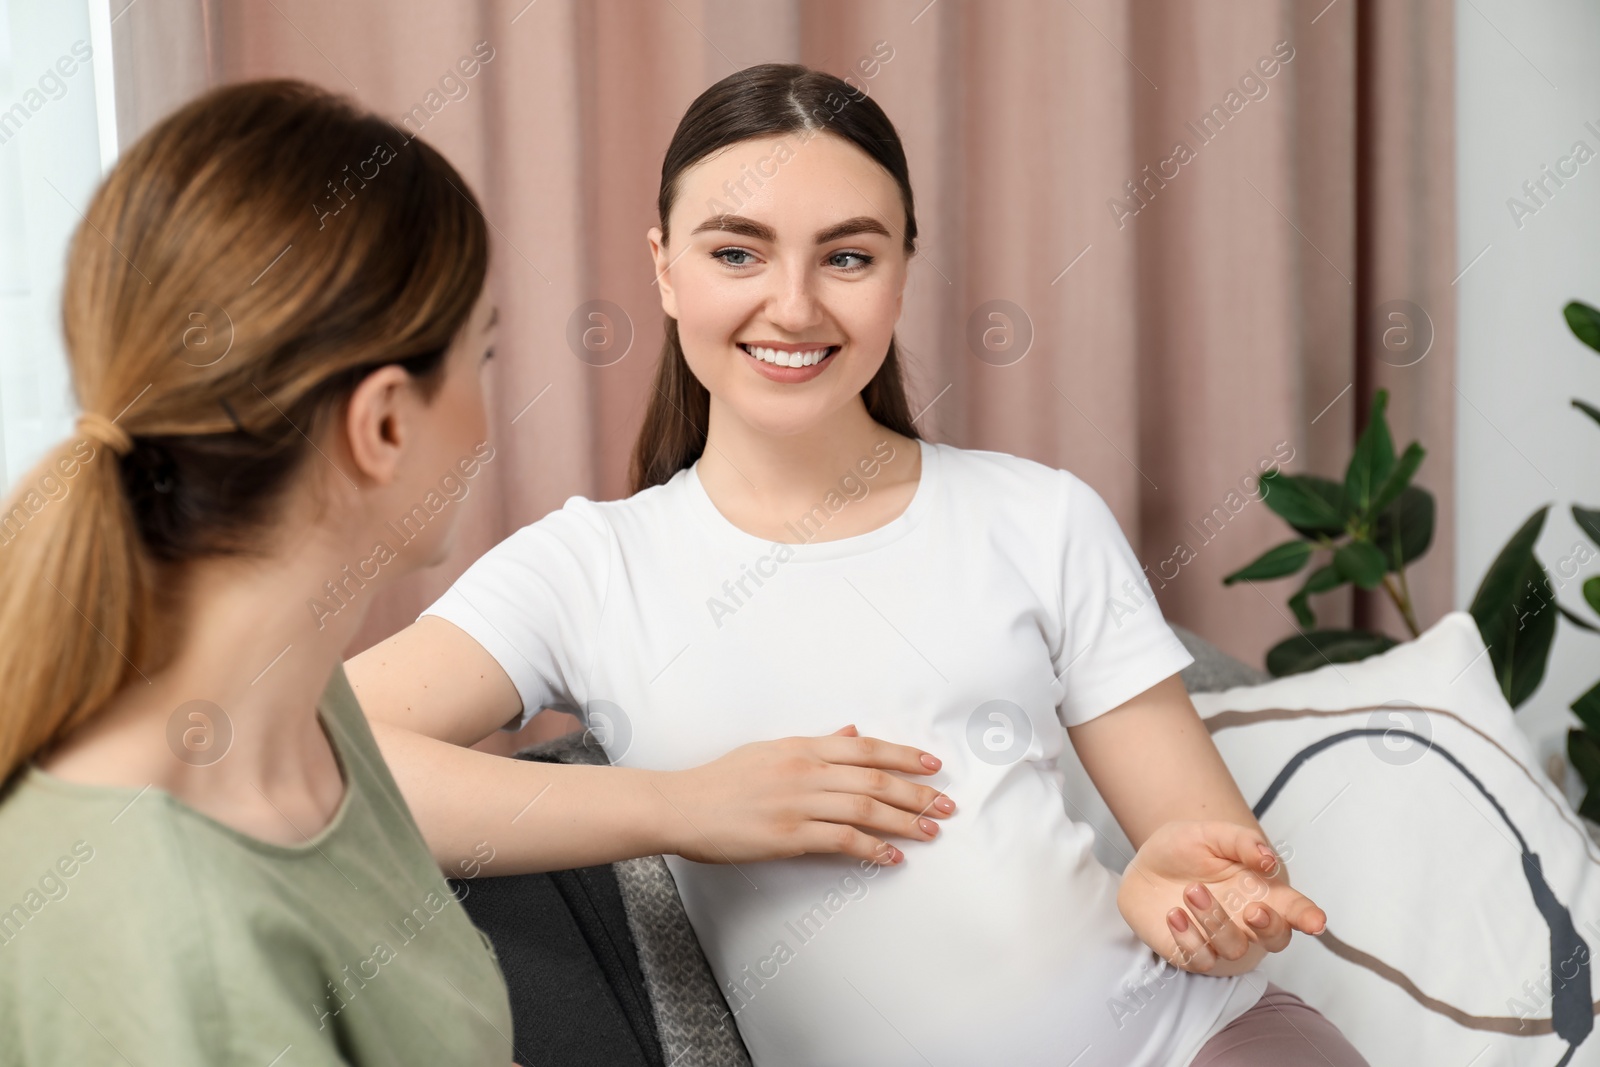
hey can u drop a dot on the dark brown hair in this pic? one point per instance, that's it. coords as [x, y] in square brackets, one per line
[760, 101]
[240, 270]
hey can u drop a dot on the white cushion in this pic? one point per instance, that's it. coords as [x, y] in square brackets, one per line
[1445, 952]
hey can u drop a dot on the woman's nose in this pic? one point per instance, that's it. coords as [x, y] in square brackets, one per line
[793, 305]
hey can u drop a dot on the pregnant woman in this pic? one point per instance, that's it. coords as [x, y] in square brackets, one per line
[203, 858]
[793, 557]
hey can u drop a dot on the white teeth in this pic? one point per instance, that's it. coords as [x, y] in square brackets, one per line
[787, 359]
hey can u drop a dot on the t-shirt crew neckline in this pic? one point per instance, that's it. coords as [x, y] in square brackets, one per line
[928, 485]
[311, 846]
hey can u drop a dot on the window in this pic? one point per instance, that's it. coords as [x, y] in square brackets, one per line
[57, 137]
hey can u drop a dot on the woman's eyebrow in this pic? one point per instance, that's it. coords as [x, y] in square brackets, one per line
[740, 225]
[851, 227]
[761, 232]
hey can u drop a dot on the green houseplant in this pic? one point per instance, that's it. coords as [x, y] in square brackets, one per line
[1376, 522]
[1583, 742]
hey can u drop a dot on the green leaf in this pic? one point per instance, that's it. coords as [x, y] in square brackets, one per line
[1503, 582]
[1399, 478]
[1330, 493]
[1583, 752]
[1274, 563]
[1578, 620]
[1588, 409]
[1591, 592]
[1588, 519]
[1587, 708]
[1361, 563]
[1302, 505]
[1584, 322]
[1515, 611]
[1410, 519]
[1305, 652]
[1373, 460]
[1318, 581]
[1530, 645]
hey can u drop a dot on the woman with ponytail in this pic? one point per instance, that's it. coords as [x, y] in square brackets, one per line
[206, 861]
[795, 555]
[275, 317]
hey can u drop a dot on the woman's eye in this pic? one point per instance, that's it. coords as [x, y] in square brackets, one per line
[862, 260]
[730, 256]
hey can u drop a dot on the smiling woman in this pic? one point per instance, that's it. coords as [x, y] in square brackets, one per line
[854, 250]
[959, 608]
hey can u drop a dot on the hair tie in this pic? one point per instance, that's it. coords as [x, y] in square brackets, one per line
[232, 415]
[97, 427]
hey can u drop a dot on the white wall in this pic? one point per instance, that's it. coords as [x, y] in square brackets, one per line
[1527, 90]
[51, 158]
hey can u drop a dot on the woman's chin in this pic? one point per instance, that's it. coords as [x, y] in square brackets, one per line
[787, 411]
[792, 418]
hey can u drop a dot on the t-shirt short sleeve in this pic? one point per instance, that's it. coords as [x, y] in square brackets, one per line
[533, 602]
[1114, 643]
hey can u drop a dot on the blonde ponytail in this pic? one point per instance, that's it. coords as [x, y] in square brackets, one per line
[244, 265]
[76, 619]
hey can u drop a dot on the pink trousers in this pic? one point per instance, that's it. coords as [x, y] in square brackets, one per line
[1281, 1030]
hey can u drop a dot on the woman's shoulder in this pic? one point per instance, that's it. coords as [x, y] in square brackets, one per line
[1031, 505]
[87, 850]
[95, 887]
[583, 522]
[115, 929]
[1006, 478]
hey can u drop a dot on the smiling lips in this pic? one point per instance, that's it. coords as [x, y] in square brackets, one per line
[789, 363]
[789, 355]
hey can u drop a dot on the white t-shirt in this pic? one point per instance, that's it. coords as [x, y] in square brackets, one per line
[974, 625]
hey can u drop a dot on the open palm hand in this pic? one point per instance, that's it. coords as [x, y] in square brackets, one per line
[1198, 890]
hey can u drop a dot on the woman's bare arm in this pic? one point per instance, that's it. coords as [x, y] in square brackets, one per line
[430, 690]
[1154, 763]
[433, 679]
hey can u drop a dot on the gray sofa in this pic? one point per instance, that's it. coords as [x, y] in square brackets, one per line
[603, 965]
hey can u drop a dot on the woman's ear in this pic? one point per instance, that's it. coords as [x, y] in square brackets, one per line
[658, 253]
[377, 422]
[900, 297]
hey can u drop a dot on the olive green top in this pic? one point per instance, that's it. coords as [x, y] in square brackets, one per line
[134, 929]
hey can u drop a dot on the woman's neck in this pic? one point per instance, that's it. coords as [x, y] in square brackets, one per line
[762, 482]
[230, 724]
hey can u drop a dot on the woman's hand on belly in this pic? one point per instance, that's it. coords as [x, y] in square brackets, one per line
[775, 799]
[1248, 907]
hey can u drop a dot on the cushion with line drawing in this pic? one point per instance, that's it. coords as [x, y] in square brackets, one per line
[1462, 891]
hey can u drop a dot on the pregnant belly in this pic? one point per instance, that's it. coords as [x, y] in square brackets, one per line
[998, 940]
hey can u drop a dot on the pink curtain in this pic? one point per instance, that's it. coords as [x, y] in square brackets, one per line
[1183, 315]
